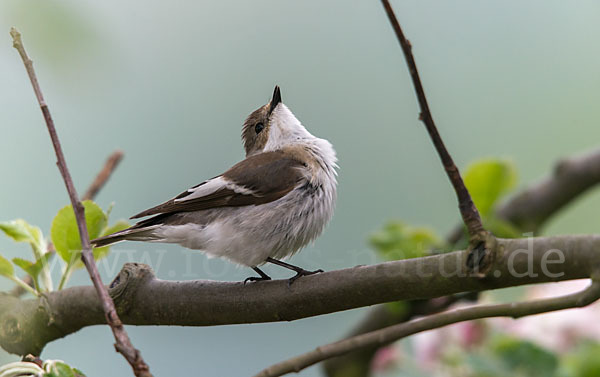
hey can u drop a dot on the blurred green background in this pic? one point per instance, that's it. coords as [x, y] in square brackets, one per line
[170, 83]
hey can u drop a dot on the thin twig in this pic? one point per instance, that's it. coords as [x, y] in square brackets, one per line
[109, 166]
[123, 343]
[101, 178]
[396, 332]
[381, 316]
[468, 211]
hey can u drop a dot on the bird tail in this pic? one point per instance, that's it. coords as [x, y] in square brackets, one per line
[130, 234]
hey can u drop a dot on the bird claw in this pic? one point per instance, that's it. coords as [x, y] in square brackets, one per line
[300, 273]
[256, 278]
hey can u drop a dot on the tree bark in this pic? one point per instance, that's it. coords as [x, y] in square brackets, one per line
[142, 299]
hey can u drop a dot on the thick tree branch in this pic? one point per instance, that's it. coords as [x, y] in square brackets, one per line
[109, 167]
[141, 299]
[573, 176]
[123, 343]
[468, 211]
[434, 321]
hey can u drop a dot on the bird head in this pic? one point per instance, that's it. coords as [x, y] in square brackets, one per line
[271, 127]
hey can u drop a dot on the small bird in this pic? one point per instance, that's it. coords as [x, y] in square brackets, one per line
[264, 208]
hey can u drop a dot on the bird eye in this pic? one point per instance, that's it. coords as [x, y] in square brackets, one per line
[259, 127]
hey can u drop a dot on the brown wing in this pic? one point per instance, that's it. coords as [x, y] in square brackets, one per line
[259, 179]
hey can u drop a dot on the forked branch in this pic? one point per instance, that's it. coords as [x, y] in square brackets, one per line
[529, 210]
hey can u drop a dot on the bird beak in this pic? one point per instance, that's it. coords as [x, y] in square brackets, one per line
[275, 100]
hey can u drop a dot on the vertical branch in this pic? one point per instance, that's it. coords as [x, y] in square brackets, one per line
[468, 211]
[123, 343]
[101, 178]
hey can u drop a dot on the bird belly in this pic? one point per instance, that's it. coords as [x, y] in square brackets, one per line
[248, 235]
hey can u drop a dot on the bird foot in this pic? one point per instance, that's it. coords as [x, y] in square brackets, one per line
[256, 278]
[262, 276]
[302, 272]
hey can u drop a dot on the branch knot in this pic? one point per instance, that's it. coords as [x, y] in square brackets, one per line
[124, 286]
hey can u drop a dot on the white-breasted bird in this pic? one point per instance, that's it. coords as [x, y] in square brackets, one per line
[263, 209]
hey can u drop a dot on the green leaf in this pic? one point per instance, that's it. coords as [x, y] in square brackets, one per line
[21, 231]
[400, 241]
[42, 262]
[65, 234]
[522, 355]
[583, 361]
[16, 230]
[6, 268]
[29, 268]
[109, 210]
[59, 369]
[488, 180]
[33, 269]
[23, 263]
[399, 309]
[64, 370]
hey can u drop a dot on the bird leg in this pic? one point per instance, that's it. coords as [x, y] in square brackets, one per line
[262, 277]
[299, 271]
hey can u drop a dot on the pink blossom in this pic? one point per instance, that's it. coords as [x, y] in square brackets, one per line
[385, 359]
